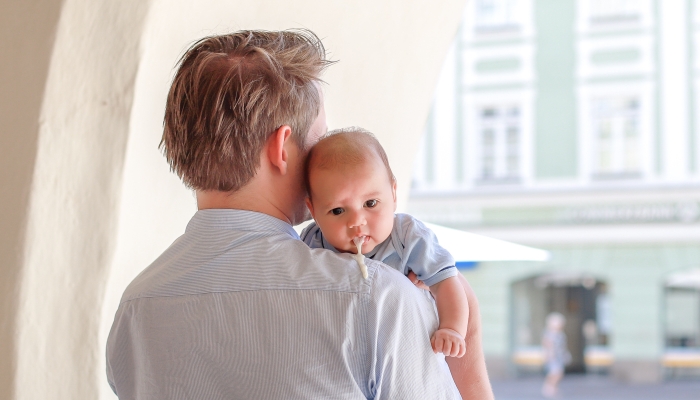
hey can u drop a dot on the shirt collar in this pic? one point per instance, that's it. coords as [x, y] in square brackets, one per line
[238, 220]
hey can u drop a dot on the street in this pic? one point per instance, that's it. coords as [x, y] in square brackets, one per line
[578, 387]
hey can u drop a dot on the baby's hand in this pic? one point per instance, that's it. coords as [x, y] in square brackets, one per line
[448, 342]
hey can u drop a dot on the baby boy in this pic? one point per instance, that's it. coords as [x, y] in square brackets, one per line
[352, 198]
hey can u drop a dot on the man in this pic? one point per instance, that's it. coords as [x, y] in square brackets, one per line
[238, 306]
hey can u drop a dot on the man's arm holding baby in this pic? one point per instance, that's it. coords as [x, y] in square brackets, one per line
[475, 384]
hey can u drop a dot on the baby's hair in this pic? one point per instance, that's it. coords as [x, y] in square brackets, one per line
[345, 147]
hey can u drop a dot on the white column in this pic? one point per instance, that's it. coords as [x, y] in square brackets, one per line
[673, 59]
[444, 125]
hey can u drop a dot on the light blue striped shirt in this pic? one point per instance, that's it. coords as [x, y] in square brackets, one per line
[239, 308]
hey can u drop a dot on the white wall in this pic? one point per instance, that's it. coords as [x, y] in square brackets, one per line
[23, 73]
[674, 89]
[73, 205]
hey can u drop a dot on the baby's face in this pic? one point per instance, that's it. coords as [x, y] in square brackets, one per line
[353, 201]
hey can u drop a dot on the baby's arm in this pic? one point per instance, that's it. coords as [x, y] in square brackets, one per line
[453, 312]
[468, 372]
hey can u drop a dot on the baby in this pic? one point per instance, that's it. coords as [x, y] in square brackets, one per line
[352, 198]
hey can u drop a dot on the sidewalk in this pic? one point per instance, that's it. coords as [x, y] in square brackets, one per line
[580, 387]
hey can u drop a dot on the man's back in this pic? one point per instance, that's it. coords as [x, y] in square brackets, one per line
[238, 307]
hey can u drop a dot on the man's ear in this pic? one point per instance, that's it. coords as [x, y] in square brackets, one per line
[276, 152]
[393, 192]
[310, 206]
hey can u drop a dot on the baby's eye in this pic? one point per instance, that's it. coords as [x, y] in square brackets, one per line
[337, 211]
[371, 203]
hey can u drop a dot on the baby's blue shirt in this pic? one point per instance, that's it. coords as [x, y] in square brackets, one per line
[410, 247]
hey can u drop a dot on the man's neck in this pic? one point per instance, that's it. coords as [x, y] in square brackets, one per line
[243, 199]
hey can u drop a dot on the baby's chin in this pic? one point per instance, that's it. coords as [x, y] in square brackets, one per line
[366, 248]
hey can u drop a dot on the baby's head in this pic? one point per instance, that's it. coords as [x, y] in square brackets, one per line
[351, 189]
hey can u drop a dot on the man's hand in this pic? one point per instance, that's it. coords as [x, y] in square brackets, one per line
[419, 284]
[448, 342]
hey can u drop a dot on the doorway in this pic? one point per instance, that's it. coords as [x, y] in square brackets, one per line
[584, 302]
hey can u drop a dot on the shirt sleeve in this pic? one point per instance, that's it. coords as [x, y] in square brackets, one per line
[122, 358]
[312, 236]
[401, 321]
[422, 253]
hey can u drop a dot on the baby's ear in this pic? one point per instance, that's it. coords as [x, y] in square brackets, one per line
[310, 206]
[393, 192]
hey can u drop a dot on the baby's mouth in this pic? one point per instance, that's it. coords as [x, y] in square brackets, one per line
[361, 240]
[364, 238]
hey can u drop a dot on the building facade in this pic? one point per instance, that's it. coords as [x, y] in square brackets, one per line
[570, 125]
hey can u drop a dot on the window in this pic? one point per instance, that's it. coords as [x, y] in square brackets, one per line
[616, 138]
[604, 12]
[500, 138]
[496, 15]
[682, 309]
[682, 317]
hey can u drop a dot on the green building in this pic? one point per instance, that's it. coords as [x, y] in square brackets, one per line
[570, 126]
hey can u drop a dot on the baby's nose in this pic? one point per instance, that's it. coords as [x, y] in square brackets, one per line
[356, 219]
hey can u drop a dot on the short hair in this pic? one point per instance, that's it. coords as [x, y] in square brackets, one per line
[230, 93]
[345, 147]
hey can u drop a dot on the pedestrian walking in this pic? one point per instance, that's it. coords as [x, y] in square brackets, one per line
[556, 353]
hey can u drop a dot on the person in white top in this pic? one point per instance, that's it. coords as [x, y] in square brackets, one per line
[556, 353]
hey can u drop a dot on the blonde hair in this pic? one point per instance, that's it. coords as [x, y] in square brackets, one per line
[555, 319]
[345, 147]
[230, 93]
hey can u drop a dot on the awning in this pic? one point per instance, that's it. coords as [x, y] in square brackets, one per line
[469, 247]
[688, 279]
